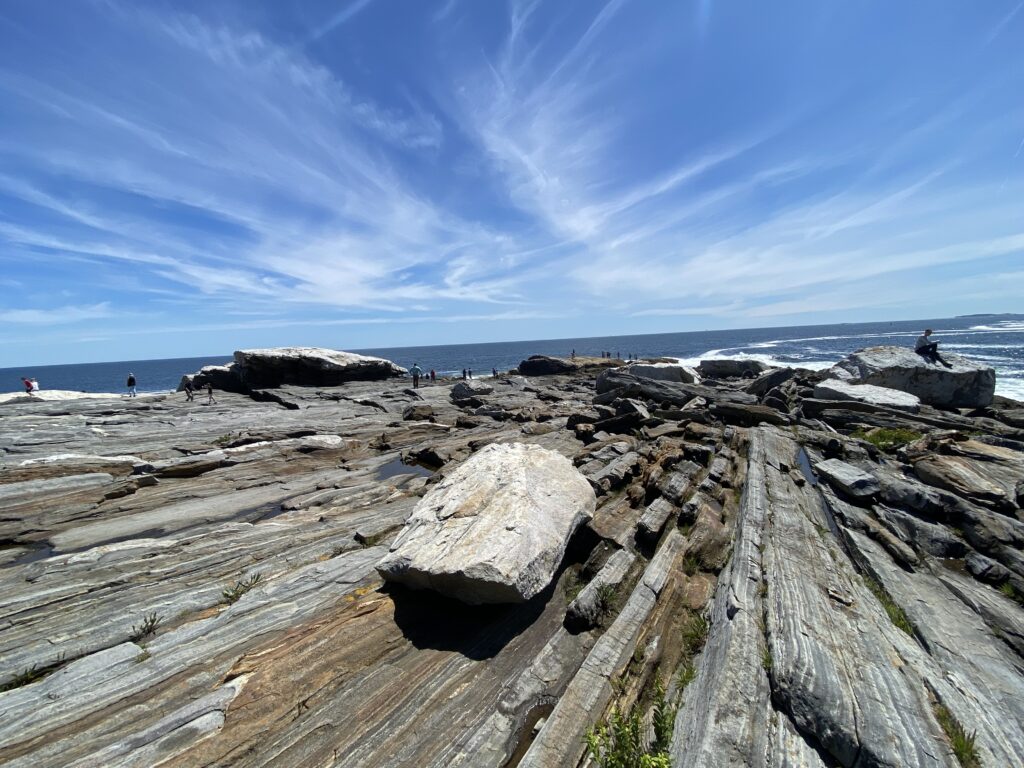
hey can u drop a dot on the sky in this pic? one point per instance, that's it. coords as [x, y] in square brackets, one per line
[189, 178]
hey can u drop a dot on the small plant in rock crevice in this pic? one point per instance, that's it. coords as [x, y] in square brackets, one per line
[885, 438]
[896, 614]
[622, 742]
[961, 742]
[695, 634]
[233, 594]
[148, 626]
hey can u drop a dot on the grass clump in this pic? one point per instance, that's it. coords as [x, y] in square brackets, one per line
[621, 741]
[695, 634]
[896, 614]
[25, 677]
[233, 594]
[1008, 590]
[148, 626]
[962, 742]
[766, 659]
[887, 438]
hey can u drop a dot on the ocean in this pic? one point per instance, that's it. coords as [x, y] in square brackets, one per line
[997, 340]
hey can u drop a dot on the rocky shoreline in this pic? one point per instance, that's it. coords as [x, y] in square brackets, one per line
[802, 568]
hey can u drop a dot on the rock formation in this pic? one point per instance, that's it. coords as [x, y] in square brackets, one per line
[305, 366]
[965, 384]
[494, 530]
[810, 581]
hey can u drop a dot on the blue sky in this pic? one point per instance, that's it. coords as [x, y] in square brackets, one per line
[184, 179]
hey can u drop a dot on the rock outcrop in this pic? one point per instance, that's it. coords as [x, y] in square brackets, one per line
[663, 372]
[965, 384]
[495, 529]
[815, 582]
[544, 365]
[841, 389]
[305, 366]
[727, 369]
[470, 388]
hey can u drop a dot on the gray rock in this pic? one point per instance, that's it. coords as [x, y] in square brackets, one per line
[543, 365]
[586, 609]
[768, 381]
[727, 369]
[495, 529]
[663, 372]
[470, 388]
[847, 479]
[839, 389]
[417, 412]
[964, 385]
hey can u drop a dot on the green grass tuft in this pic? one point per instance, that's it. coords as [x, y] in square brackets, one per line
[886, 438]
[621, 741]
[148, 626]
[695, 634]
[233, 594]
[896, 614]
[962, 742]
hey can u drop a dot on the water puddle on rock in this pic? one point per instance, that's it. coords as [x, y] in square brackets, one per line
[398, 467]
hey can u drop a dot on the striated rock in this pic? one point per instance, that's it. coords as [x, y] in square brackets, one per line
[495, 529]
[417, 412]
[965, 384]
[839, 389]
[728, 369]
[770, 380]
[747, 415]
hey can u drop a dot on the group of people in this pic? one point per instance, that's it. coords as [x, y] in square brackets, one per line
[190, 392]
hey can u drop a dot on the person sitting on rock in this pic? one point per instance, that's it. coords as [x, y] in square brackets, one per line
[929, 349]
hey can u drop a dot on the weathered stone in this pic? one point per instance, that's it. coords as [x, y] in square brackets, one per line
[417, 412]
[768, 381]
[965, 384]
[495, 529]
[543, 365]
[839, 389]
[470, 388]
[587, 607]
[847, 479]
[726, 369]
[663, 372]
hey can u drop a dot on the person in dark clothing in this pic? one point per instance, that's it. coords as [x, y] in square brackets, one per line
[433, 376]
[209, 393]
[929, 349]
[131, 385]
[190, 393]
[470, 372]
[463, 373]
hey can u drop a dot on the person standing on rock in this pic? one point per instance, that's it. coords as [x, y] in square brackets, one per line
[416, 372]
[463, 373]
[433, 376]
[209, 392]
[190, 393]
[131, 384]
[929, 349]
[28, 385]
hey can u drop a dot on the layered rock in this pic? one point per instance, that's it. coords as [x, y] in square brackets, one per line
[304, 366]
[725, 369]
[470, 388]
[663, 372]
[965, 384]
[495, 529]
[841, 389]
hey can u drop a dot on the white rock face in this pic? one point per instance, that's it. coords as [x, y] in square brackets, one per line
[842, 389]
[470, 388]
[54, 395]
[495, 529]
[313, 365]
[964, 385]
[664, 372]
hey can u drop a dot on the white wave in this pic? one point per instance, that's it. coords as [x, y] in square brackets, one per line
[720, 354]
[1010, 387]
[1006, 326]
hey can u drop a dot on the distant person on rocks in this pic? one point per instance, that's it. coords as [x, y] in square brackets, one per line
[573, 354]
[35, 385]
[463, 373]
[929, 349]
[190, 393]
[416, 372]
[494, 372]
[131, 385]
[28, 385]
[470, 372]
[209, 392]
[433, 376]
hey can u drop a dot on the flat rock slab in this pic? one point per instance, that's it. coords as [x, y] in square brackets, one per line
[663, 372]
[495, 529]
[965, 384]
[848, 479]
[838, 389]
[466, 389]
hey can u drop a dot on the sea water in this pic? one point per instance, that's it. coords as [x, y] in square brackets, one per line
[994, 340]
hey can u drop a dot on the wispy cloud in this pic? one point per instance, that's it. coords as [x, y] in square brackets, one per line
[341, 17]
[56, 315]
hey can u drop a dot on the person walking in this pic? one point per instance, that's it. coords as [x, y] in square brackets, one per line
[131, 384]
[209, 393]
[433, 376]
[190, 393]
[929, 349]
[416, 372]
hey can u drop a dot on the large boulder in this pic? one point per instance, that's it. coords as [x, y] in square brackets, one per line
[965, 384]
[840, 389]
[310, 366]
[663, 372]
[728, 369]
[304, 366]
[469, 388]
[495, 529]
[543, 365]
